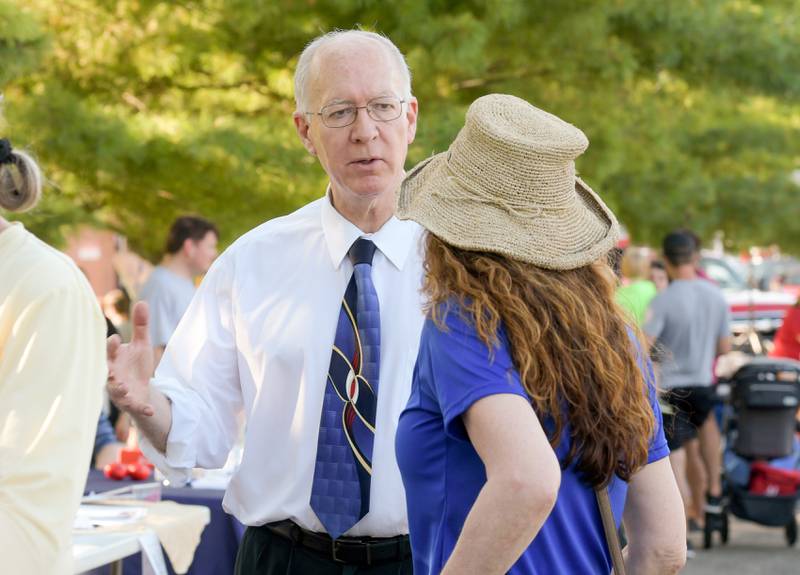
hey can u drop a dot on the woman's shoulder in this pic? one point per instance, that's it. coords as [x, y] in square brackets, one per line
[451, 315]
[43, 271]
[451, 325]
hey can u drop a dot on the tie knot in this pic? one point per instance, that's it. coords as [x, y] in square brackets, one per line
[361, 251]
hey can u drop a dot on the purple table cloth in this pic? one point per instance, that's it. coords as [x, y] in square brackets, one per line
[219, 543]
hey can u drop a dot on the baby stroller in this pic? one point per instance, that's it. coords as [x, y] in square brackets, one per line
[762, 454]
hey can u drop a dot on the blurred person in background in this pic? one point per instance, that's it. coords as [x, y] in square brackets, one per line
[106, 445]
[509, 430]
[787, 338]
[636, 290]
[698, 246]
[688, 324]
[117, 308]
[52, 371]
[658, 275]
[695, 470]
[190, 250]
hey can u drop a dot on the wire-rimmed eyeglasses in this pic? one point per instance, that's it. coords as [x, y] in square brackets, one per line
[341, 115]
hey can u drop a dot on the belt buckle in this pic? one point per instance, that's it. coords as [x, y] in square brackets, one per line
[333, 552]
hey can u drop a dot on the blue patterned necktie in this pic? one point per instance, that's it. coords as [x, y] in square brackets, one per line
[340, 491]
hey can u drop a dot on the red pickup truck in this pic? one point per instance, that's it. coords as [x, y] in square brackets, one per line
[760, 310]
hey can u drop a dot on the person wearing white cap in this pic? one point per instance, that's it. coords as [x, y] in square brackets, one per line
[531, 404]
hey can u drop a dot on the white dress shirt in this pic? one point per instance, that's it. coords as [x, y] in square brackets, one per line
[258, 336]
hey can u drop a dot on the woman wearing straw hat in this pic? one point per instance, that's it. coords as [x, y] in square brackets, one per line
[52, 371]
[521, 314]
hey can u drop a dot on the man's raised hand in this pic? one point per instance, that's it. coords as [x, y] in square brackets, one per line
[130, 367]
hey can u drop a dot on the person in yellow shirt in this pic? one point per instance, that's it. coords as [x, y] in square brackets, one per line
[52, 372]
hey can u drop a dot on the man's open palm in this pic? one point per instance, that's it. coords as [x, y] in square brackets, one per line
[130, 367]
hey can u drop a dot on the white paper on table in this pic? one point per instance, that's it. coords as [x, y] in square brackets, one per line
[152, 555]
[90, 516]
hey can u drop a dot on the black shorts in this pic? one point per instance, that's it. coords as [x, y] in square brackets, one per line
[685, 410]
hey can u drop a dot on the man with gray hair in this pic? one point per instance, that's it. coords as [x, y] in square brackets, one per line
[309, 324]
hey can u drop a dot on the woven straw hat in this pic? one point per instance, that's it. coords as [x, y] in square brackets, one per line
[507, 185]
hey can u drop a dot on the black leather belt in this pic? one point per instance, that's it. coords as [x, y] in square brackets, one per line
[353, 550]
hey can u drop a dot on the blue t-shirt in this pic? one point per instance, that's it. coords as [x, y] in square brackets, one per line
[443, 474]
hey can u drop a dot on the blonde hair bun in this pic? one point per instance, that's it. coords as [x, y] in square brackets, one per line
[20, 179]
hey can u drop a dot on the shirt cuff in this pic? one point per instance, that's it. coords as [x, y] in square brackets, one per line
[453, 424]
[657, 452]
[181, 456]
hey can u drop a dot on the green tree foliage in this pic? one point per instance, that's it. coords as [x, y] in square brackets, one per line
[141, 110]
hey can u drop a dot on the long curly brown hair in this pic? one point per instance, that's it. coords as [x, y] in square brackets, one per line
[569, 342]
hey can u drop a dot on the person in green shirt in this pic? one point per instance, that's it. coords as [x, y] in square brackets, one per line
[635, 296]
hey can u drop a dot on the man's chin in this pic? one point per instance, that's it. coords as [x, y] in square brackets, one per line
[373, 186]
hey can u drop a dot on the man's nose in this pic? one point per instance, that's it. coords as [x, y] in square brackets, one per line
[364, 128]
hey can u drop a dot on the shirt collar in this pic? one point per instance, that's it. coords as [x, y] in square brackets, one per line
[394, 239]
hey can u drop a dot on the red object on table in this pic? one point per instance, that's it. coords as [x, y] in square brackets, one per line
[138, 471]
[130, 455]
[767, 480]
[115, 470]
[133, 463]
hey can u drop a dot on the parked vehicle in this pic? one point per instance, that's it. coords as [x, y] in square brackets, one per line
[752, 310]
[793, 289]
[779, 274]
[790, 282]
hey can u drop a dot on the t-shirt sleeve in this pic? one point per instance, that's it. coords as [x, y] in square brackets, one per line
[465, 371]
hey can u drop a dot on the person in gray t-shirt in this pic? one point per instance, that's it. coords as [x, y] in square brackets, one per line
[167, 294]
[687, 320]
[191, 248]
[688, 325]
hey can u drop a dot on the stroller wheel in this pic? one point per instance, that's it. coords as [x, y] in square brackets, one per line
[791, 533]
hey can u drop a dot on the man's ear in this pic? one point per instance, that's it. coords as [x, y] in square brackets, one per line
[411, 115]
[188, 247]
[302, 126]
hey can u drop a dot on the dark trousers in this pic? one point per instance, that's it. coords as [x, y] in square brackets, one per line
[265, 553]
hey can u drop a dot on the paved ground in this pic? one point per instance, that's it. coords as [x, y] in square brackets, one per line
[752, 549]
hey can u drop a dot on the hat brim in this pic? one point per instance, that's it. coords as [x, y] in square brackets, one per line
[561, 238]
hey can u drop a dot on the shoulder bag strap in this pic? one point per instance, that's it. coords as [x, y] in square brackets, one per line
[610, 528]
